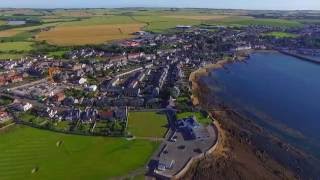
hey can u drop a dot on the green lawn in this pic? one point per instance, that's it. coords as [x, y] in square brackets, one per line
[24, 149]
[15, 46]
[147, 124]
[29, 117]
[281, 35]
[63, 125]
[58, 54]
[11, 56]
[200, 118]
[5, 101]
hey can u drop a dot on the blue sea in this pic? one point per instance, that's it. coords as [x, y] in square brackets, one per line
[281, 92]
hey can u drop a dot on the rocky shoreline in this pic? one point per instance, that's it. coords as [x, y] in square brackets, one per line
[246, 150]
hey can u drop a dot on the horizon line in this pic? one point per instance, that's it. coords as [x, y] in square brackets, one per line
[160, 7]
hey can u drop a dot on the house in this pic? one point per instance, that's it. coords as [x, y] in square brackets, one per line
[82, 80]
[92, 88]
[4, 116]
[23, 106]
[59, 97]
[15, 79]
[106, 115]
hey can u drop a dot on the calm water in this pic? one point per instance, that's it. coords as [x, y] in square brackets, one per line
[14, 23]
[281, 91]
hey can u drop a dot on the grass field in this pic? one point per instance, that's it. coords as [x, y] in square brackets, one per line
[81, 35]
[11, 56]
[247, 20]
[282, 35]
[199, 17]
[3, 22]
[200, 118]
[59, 156]
[147, 124]
[15, 31]
[15, 46]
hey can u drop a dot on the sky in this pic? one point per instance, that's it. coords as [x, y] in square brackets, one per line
[218, 4]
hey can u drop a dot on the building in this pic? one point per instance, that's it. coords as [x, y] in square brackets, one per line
[106, 115]
[59, 97]
[23, 106]
[4, 116]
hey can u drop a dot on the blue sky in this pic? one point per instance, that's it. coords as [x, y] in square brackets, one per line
[232, 4]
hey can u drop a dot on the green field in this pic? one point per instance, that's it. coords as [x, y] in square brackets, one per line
[281, 35]
[5, 101]
[15, 46]
[11, 56]
[147, 124]
[200, 118]
[59, 156]
[3, 22]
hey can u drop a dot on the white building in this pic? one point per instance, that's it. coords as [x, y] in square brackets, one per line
[24, 106]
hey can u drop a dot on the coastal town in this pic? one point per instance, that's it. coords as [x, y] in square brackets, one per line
[93, 89]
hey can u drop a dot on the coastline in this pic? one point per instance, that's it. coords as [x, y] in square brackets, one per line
[243, 154]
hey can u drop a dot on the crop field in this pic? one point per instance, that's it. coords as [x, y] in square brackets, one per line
[15, 46]
[81, 35]
[147, 124]
[15, 31]
[28, 153]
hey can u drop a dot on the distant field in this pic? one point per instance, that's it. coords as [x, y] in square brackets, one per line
[81, 35]
[104, 20]
[246, 20]
[147, 124]
[198, 17]
[2, 22]
[281, 35]
[15, 31]
[160, 24]
[59, 156]
[15, 46]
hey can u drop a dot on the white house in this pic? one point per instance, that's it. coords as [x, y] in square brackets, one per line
[82, 80]
[24, 106]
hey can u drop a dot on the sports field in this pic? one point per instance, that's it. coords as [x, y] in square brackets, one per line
[81, 35]
[28, 153]
[147, 124]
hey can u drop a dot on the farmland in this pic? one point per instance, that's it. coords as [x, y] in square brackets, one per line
[81, 35]
[147, 124]
[97, 26]
[28, 153]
